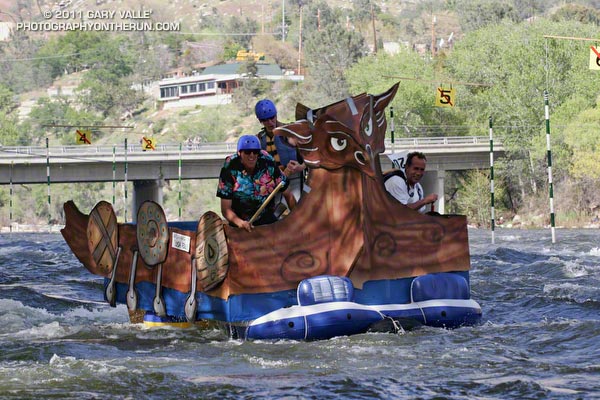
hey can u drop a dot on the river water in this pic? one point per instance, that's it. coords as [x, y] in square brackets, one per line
[540, 336]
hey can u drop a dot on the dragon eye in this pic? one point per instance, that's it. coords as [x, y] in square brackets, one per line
[338, 144]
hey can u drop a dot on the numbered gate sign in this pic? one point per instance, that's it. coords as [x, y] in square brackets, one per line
[148, 143]
[445, 97]
[83, 137]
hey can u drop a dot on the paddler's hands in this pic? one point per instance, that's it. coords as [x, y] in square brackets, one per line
[292, 167]
[246, 225]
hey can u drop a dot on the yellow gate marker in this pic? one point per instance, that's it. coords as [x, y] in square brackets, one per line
[83, 137]
[148, 143]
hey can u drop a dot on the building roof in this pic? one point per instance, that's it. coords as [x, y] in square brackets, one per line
[237, 67]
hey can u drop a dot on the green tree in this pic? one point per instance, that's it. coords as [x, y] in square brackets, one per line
[244, 28]
[7, 101]
[473, 197]
[10, 134]
[59, 111]
[329, 53]
[106, 87]
[576, 12]
[414, 104]
[519, 68]
[362, 9]
[231, 49]
[476, 14]
[17, 71]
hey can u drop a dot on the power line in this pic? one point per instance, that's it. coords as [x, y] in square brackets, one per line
[40, 58]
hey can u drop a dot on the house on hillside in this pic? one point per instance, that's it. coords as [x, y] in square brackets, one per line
[6, 29]
[214, 85]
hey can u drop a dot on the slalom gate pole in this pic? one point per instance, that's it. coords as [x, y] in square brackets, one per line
[114, 180]
[125, 186]
[179, 175]
[550, 183]
[48, 177]
[10, 201]
[493, 213]
[392, 127]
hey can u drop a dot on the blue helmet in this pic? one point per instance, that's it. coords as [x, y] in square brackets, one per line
[248, 142]
[265, 109]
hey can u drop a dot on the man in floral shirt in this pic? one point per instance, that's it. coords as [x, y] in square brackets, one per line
[246, 180]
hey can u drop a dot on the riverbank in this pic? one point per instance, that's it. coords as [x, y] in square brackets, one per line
[31, 228]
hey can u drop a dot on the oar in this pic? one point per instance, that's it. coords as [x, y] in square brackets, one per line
[266, 202]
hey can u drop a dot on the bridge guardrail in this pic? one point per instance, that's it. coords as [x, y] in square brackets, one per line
[215, 147]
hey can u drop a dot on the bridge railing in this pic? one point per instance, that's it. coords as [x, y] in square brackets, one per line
[211, 148]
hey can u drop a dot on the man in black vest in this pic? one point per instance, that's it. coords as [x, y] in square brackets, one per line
[405, 186]
[286, 156]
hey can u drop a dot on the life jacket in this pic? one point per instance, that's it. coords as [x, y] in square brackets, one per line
[285, 151]
[395, 172]
[398, 172]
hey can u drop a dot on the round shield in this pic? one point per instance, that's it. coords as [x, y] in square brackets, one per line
[103, 236]
[152, 233]
[212, 259]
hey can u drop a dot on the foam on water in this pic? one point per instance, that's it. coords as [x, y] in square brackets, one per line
[538, 338]
[575, 292]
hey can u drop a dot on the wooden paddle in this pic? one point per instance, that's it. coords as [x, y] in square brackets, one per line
[266, 202]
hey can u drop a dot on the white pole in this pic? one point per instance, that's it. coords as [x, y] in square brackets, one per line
[550, 184]
[179, 175]
[493, 222]
[48, 178]
[125, 193]
[10, 207]
[114, 181]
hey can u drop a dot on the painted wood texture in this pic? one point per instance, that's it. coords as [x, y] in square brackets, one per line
[348, 225]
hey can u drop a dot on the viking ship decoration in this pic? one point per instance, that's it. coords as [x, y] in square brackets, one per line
[347, 249]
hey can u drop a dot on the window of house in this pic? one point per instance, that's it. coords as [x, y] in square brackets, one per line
[202, 87]
[170, 91]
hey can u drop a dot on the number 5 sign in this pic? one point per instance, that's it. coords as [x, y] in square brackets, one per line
[444, 97]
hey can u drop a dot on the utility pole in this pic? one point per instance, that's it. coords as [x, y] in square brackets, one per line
[433, 36]
[374, 32]
[300, 43]
[319, 19]
[283, 20]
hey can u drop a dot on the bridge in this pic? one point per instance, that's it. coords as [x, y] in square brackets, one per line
[105, 163]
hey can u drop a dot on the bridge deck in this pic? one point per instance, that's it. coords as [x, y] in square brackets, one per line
[88, 163]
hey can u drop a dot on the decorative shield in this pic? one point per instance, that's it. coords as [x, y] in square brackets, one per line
[212, 260]
[103, 236]
[152, 233]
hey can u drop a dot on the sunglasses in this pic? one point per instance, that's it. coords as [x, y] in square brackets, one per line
[255, 152]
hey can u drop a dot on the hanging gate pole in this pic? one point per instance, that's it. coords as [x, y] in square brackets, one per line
[48, 177]
[550, 183]
[179, 176]
[125, 185]
[493, 221]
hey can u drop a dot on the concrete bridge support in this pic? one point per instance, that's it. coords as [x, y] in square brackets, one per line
[433, 182]
[146, 190]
